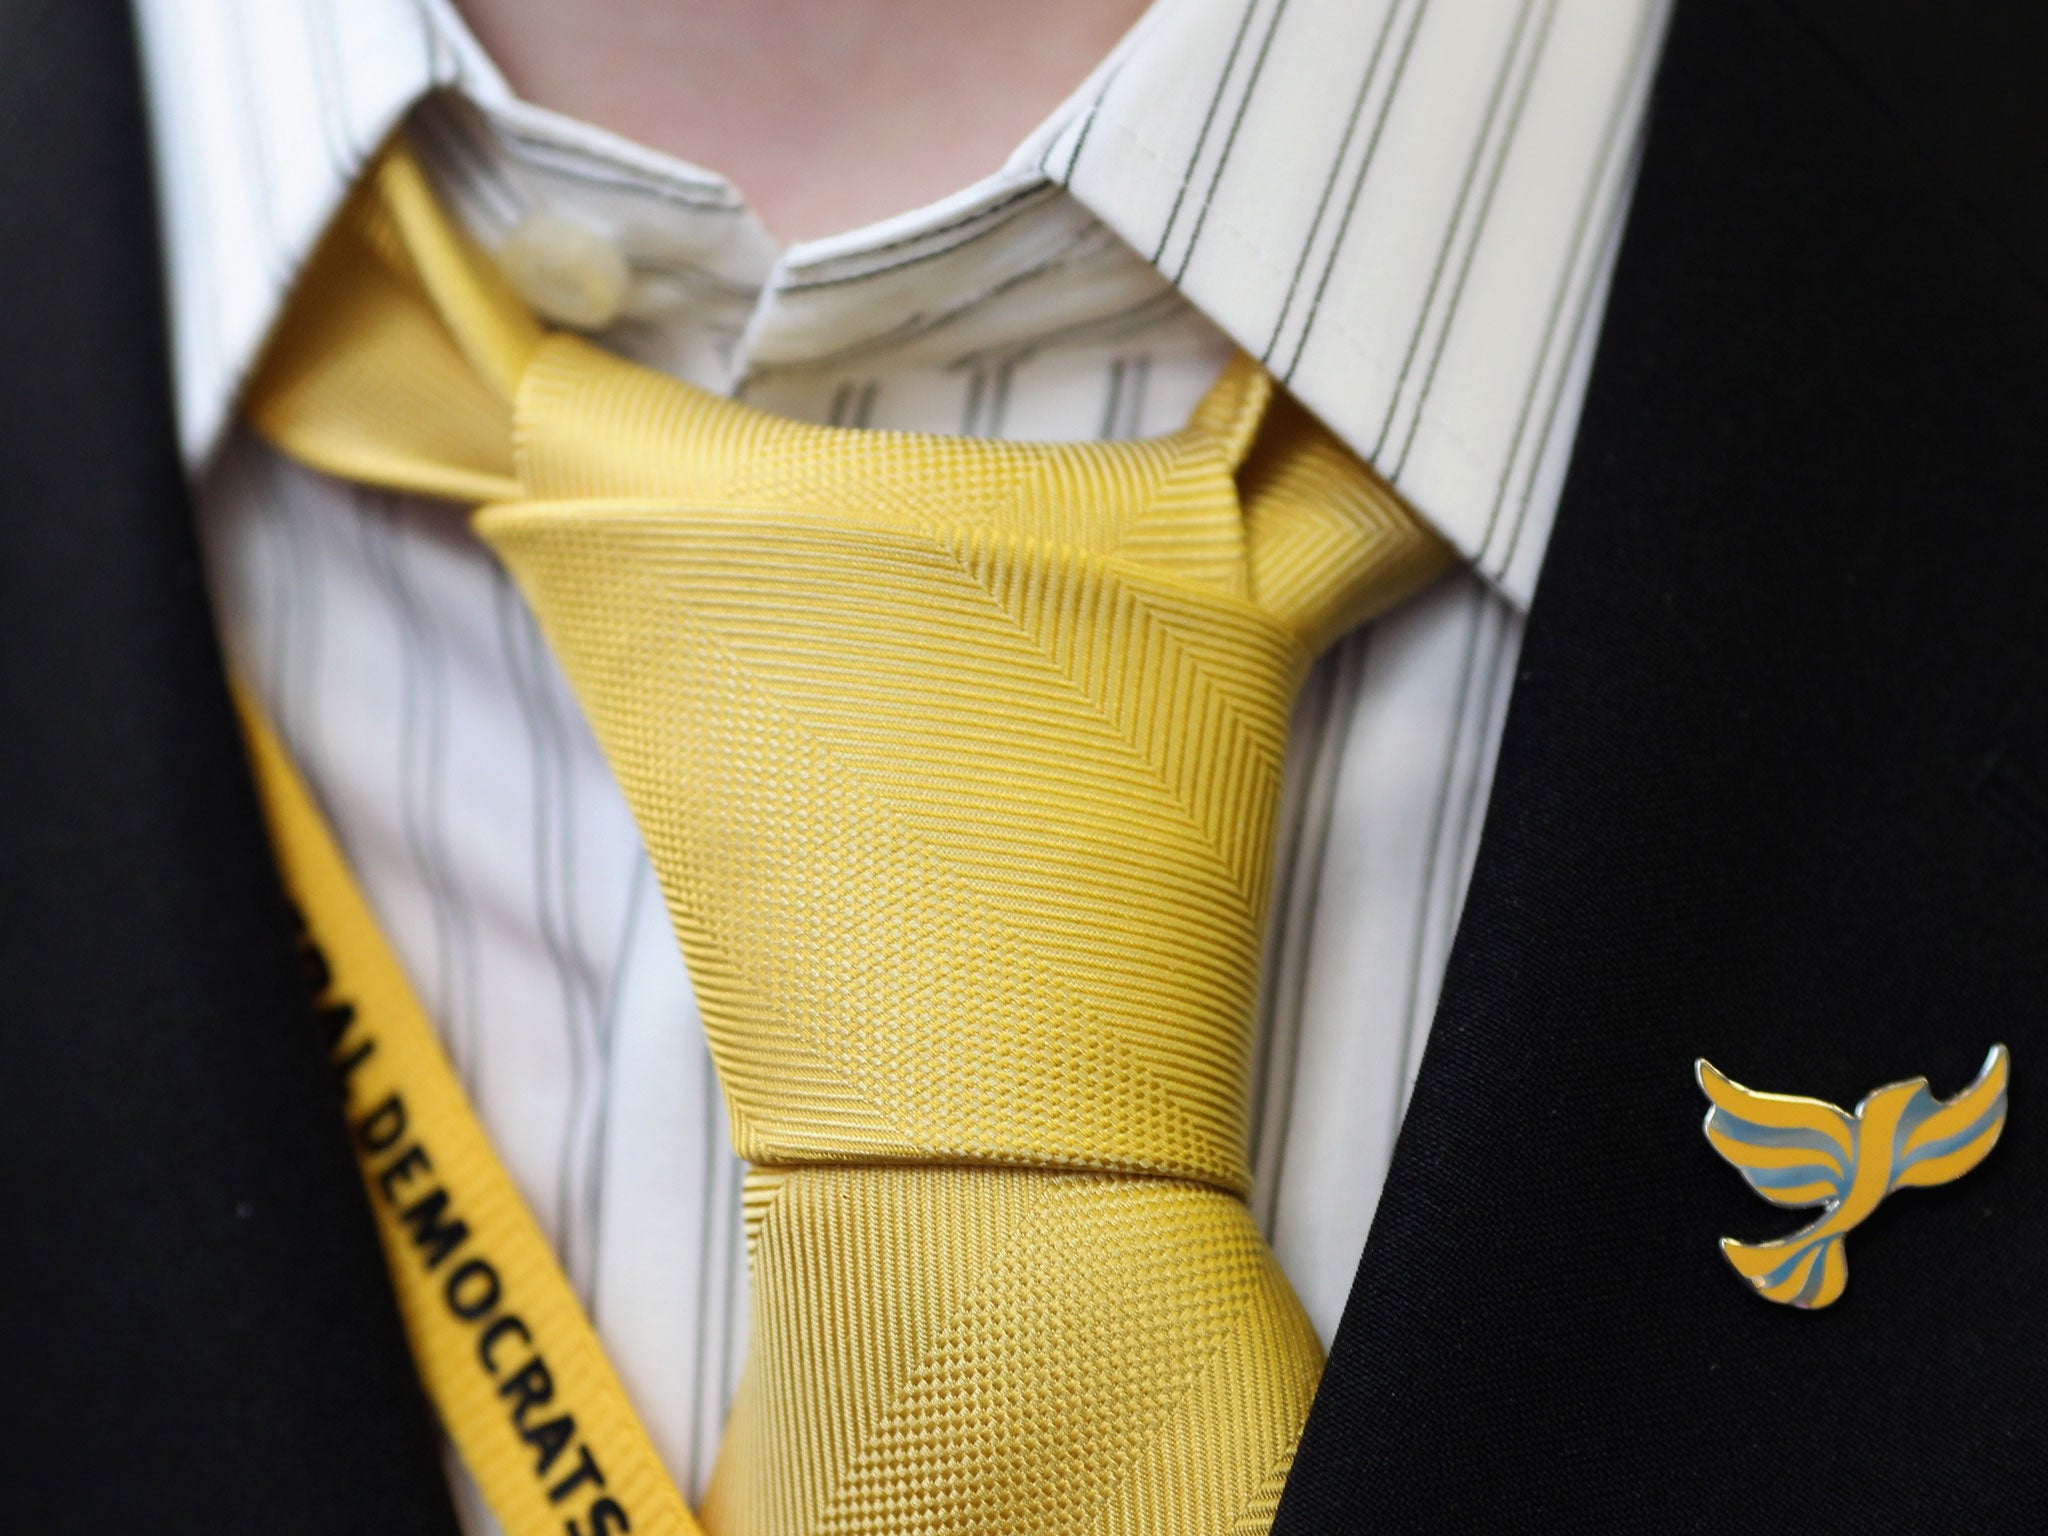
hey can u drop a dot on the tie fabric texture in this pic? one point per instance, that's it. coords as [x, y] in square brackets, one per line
[958, 762]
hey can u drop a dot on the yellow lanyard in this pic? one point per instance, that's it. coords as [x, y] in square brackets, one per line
[511, 1362]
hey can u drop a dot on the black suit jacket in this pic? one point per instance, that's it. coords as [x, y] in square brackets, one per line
[1774, 790]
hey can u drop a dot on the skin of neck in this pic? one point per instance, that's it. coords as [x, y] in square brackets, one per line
[826, 114]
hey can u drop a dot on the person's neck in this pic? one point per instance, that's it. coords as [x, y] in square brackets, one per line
[827, 114]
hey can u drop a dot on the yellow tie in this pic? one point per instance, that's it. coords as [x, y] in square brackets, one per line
[958, 762]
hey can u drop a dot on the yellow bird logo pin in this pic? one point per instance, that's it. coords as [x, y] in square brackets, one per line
[1802, 1152]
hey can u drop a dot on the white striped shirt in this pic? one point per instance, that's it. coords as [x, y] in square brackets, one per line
[1407, 208]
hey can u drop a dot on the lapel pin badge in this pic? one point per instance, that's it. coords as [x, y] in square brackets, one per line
[1799, 1152]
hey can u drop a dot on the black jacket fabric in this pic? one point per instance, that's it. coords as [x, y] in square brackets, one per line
[1774, 790]
[196, 1327]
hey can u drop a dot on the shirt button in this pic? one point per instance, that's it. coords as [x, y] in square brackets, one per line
[570, 274]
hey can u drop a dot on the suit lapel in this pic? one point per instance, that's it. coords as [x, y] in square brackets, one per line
[198, 1328]
[1774, 790]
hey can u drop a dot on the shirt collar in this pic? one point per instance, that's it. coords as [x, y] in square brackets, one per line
[1406, 208]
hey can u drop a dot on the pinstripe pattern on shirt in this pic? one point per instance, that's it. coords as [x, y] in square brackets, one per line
[1407, 207]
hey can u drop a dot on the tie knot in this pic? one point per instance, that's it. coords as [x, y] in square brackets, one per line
[958, 760]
